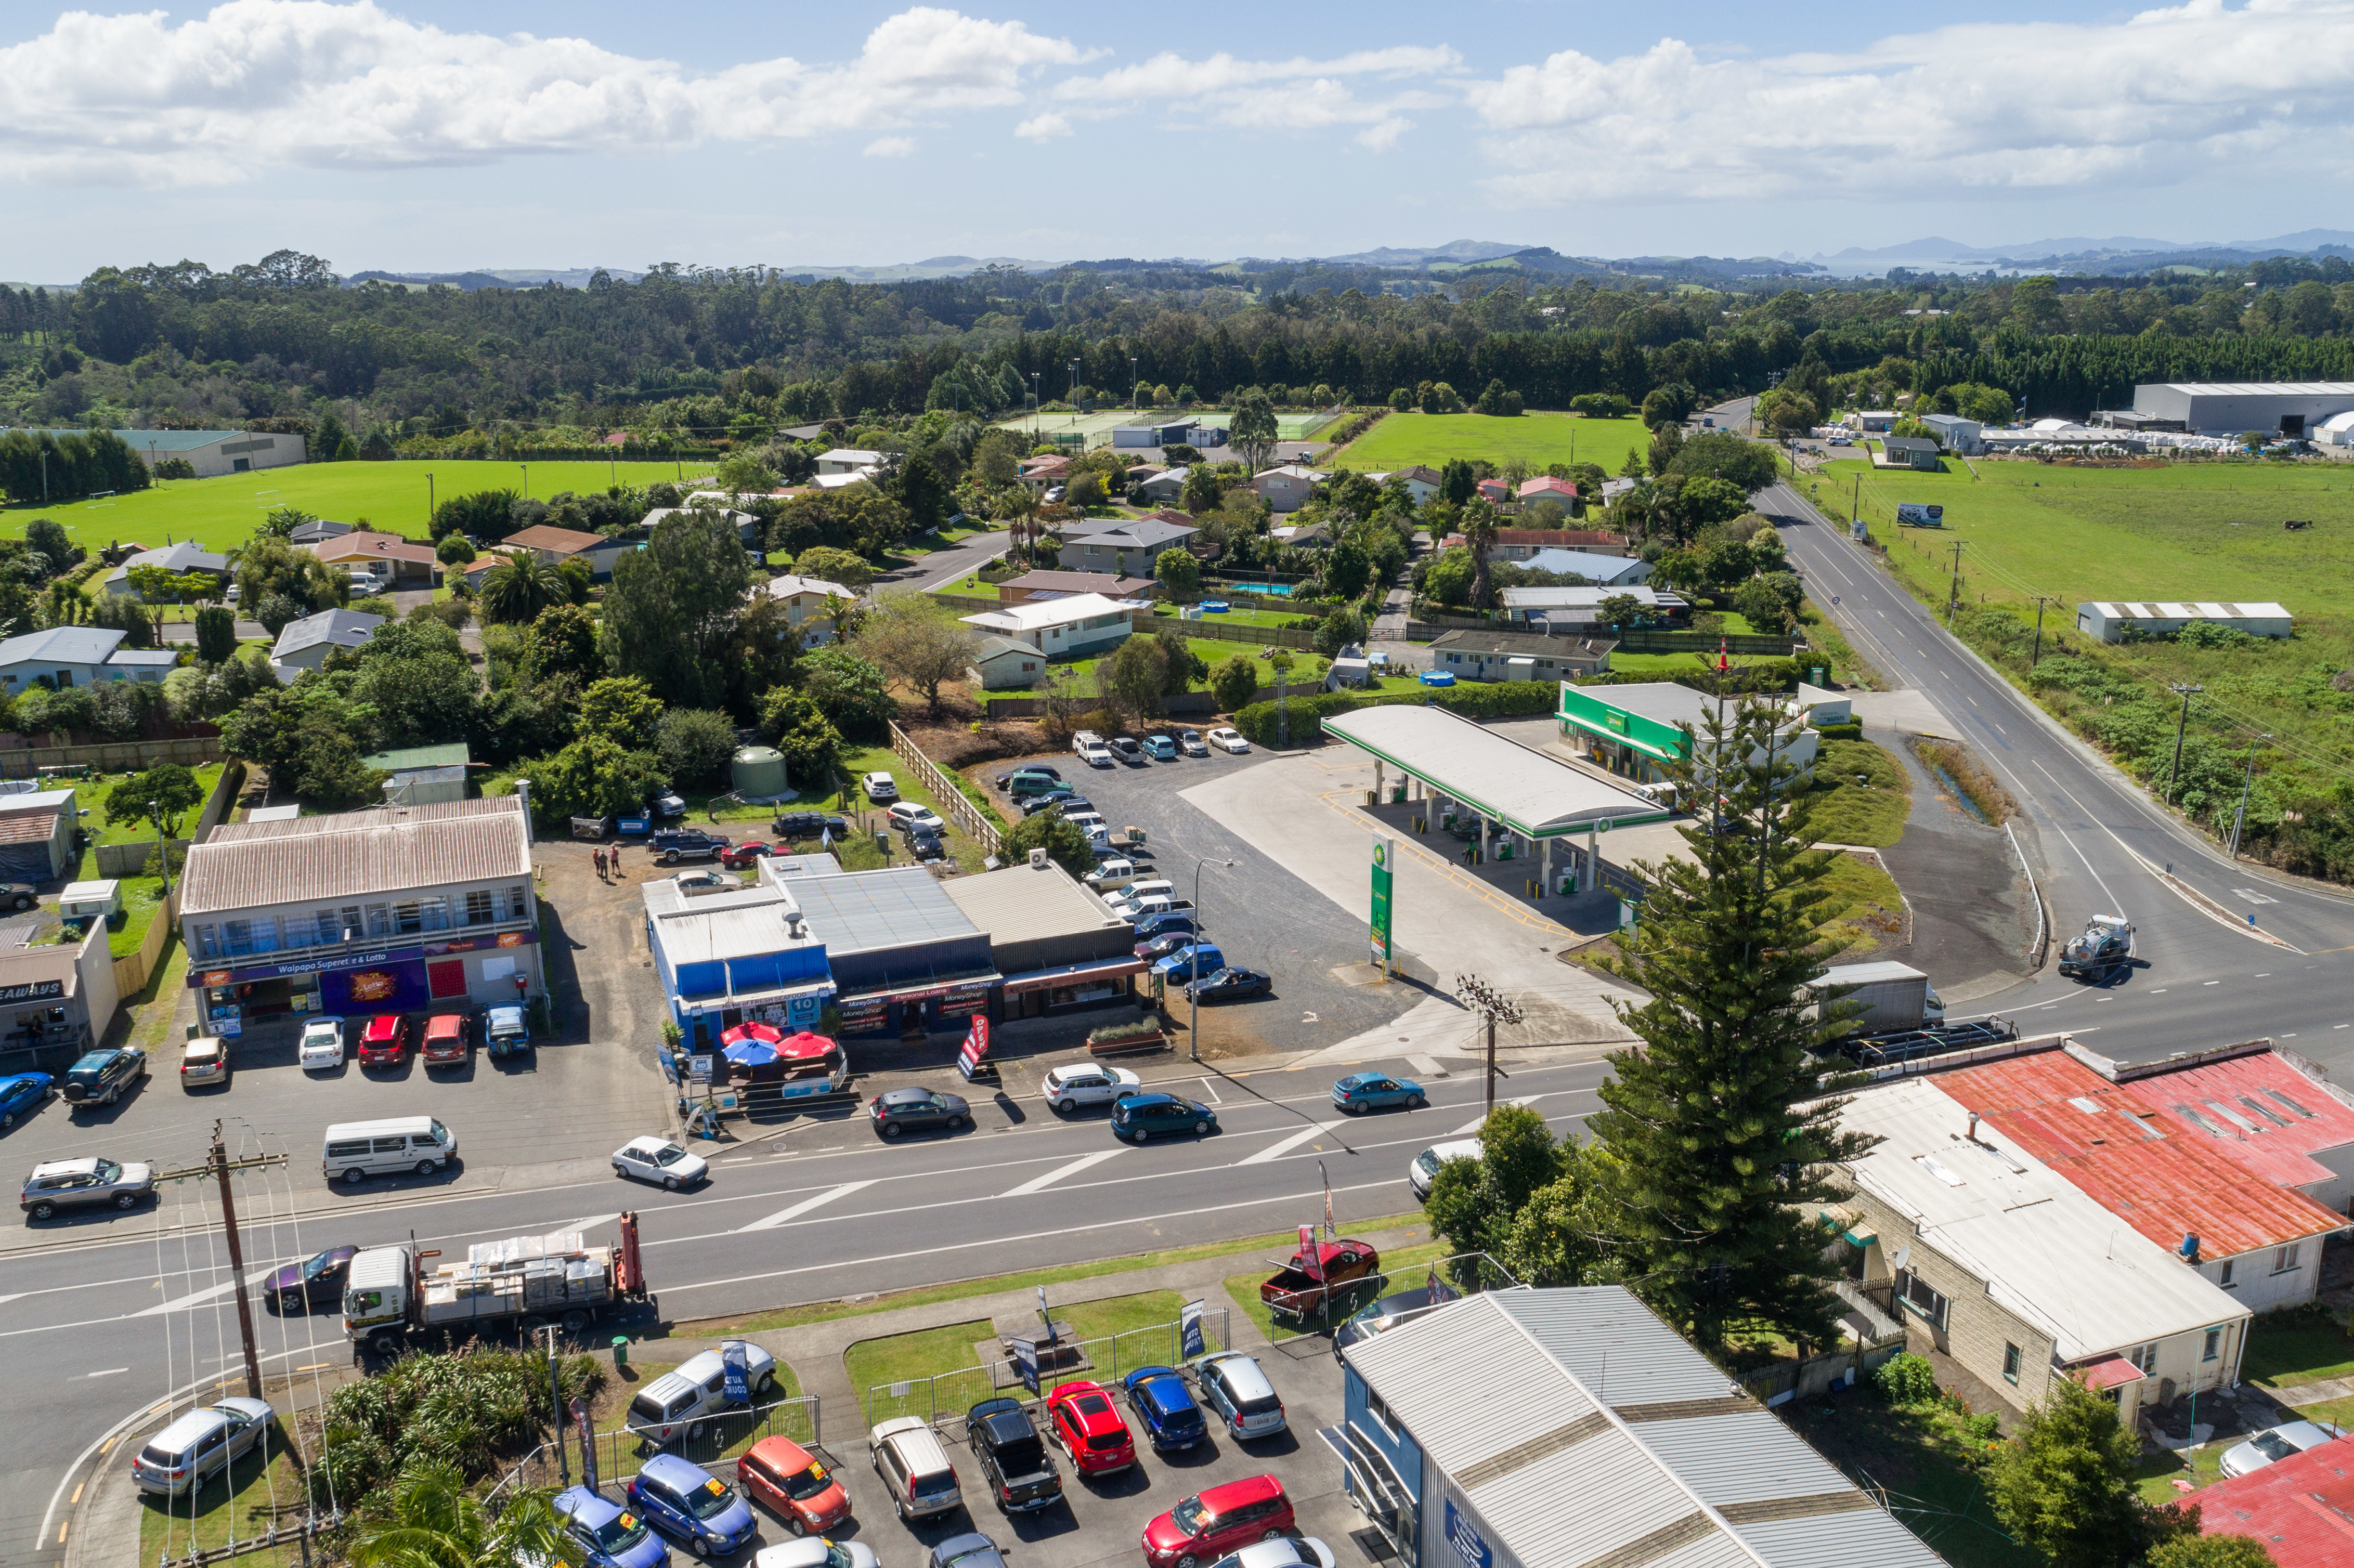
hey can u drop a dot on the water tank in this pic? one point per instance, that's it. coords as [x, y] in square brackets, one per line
[759, 772]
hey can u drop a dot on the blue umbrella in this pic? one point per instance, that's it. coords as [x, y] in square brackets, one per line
[751, 1052]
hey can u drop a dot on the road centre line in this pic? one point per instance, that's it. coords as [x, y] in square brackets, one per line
[1476, 1125]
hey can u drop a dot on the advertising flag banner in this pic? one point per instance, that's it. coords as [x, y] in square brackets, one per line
[1190, 1340]
[738, 1370]
[588, 1444]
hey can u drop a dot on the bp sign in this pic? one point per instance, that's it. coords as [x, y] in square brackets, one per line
[1380, 932]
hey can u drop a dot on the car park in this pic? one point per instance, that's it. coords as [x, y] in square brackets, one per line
[91, 1182]
[1229, 984]
[1284, 1551]
[660, 1162]
[1165, 1407]
[1229, 740]
[448, 1041]
[1013, 1456]
[794, 1485]
[691, 1506]
[1087, 1084]
[22, 1094]
[200, 1444]
[204, 1060]
[321, 1045]
[1423, 1167]
[1136, 1117]
[1171, 922]
[1361, 1091]
[817, 1553]
[1167, 942]
[1127, 749]
[102, 1077]
[742, 856]
[298, 1286]
[385, 1042]
[896, 1112]
[1216, 1521]
[1190, 742]
[971, 1549]
[1086, 1424]
[1160, 748]
[672, 845]
[880, 787]
[2275, 1444]
[1088, 748]
[914, 1468]
[1235, 1389]
[1190, 962]
[909, 816]
[605, 1535]
[681, 1401]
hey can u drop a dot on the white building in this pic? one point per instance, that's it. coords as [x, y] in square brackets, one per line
[2110, 620]
[1080, 623]
[808, 602]
[2231, 408]
[1955, 433]
[305, 644]
[77, 656]
[1603, 571]
[848, 459]
[1576, 607]
[183, 557]
[213, 454]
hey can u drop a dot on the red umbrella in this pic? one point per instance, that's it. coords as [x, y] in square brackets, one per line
[804, 1045]
[767, 1034]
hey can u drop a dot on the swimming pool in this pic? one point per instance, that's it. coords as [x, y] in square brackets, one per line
[1272, 591]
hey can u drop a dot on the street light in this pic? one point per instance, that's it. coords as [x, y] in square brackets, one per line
[1193, 964]
[1496, 1008]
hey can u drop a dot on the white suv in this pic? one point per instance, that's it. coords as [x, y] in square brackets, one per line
[679, 1403]
[1088, 1084]
[1089, 746]
[880, 787]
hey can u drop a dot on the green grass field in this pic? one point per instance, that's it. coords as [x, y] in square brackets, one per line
[1097, 427]
[1402, 440]
[219, 514]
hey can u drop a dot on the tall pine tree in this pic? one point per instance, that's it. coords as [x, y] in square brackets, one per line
[1721, 1122]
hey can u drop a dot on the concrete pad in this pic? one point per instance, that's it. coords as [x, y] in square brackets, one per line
[1908, 712]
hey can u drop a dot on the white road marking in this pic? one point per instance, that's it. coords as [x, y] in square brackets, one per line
[2211, 982]
[1211, 1089]
[110, 1372]
[1283, 1146]
[1039, 1184]
[223, 1289]
[803, 1207]
[1476, 1125]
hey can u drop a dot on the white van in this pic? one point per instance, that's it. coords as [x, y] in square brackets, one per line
[356, 1151]
[1151, 887]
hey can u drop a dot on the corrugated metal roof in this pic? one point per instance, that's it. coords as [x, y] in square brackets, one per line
[866, 911]
[1534, 793]
[32, 826]
[61, 645]
[1619, 1443]
[254, 865]
[2302, 1508]
[1023, 904]
[2164, 1186]
[2260, 1112]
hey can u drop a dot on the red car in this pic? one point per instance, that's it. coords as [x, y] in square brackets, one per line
[385, 1042]
[1088, 1427]
[736, 857]
[781, 1474]
[445, 1040]
[1221, 1520]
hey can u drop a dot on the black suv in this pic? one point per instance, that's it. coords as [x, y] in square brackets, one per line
[807, 825]
[676, 844]
[1022, 1474]
[100, 1078]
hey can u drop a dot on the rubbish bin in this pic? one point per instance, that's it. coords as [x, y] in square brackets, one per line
[620, 1352]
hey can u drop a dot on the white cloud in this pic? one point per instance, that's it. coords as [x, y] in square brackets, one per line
[1296, 94]
[261, 82]
[1043, 127]
[891, 147]
[2164, 97]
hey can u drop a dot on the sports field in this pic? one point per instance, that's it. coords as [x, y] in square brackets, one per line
[219, 514]
[1402, 440]
[1097, 427]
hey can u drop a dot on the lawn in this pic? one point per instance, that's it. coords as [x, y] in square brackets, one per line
[859, 854]
[922, 1373]
[2286, 1348]
[1402, 440]
[219, 514]
[255, 1491]
[1847, 812]
[1875, 908]
[1924, 1459]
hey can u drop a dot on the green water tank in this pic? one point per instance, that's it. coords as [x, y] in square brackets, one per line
[759, 772]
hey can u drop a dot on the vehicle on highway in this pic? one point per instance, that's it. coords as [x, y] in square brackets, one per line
[1087, 1084]
[1229, 740]
[1285, 1552]
[909, 816]
[1235, 1389]
[1086, 1424]
[748, 853]
[102, 1077]
[1088, 748]
[200, 1444]
[91, 1182]
[691, 1506]
[914, 1468]
[796, 825]
[1190, 962]
[1228, 984]
[385, 1042]
[22, 1094]
[1164, 1403]
[299, 1286]
[681, 1402]
[321, 1045]
[2104, 947]
[794, 1485]
[1380, 1317]
[1321, 1280]
[448, 1041]
[355, 1150]
[1167, 942]
[606, 1534]
[899, 1111]
[1217, 1520]
[971, 1549]
[817, 1553]
[661, 1162]
[880, 786]
[204, 1059]
[1191, 743]
[1013, 1456]
[1361, 1091]
[673, 845]
[1423, 1167]
[1137, 1116]
[504, 1032]
[2275, 1444]
[1160, 748]
[1174, 922]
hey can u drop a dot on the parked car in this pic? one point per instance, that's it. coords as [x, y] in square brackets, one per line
[321, 1045]
[1137, 1116]
[1235, 1389]
[661, 1162]
[1361, 1091]
[448, 1038]
[794, 1485]
[504, 1032]
[1326, 1279]
[681, 1402]
[200, 1444]
[1229, 740]
[1166, 1405]
[88, 1183]
[1126, 748]
[101, 1077]
[606, 1534]
[1013, 1456]
[1027, 770]
[1110, 875]
[1160, 748]
[672, 845]
[900, 1112]
[17, 896]
[1217, 1520]
[691, 1506]
[204, 1060]
[907, 816]
[1191, 961]
[1087, 1084]
[1089, 749]
[1190, 742]
[881, 789]
[817, 1553]
[666, 804]
[22, 1094]
[1176, 922]
[1167, 942]
[750, 852]
[1061, 799]
[691, 883]
[299, 1286]
[385, 1042]
[1140, 888]
[793, 826]
[1284, 1551]
[1423, 1169]
[2275, 1444]
[1229, 984]
[914, 1468]
[926, 845]
[971, 1550]
[1088, 1425]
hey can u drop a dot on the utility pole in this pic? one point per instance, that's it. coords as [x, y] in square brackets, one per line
[221, 1167]
[1495, 1008]
[2038, 657]
[1953, 600]
[2180, 722]
[1194, 983]
[2240, 817]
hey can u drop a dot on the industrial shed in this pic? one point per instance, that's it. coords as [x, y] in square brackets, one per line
[2230, 408]
[2111, 619]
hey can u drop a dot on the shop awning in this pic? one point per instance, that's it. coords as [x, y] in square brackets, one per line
[720, 1002]
[924, 992]
[1070, 974]
[2105, 1372]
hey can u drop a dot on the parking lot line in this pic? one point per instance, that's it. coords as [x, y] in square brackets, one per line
[1039, 1184]
[1282, 1146]
[804, 1206]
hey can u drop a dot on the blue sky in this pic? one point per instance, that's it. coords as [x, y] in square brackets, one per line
[428, 134]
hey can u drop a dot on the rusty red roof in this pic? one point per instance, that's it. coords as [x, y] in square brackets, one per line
[32, 826]
[2258, 1111]
[2114, 1143]
[2302, 1506]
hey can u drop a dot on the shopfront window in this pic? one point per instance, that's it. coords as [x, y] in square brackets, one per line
[208, 944]
[481, 907]
[436, 913]
[379, 919]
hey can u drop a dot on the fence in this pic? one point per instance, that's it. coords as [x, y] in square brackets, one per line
[1879, 1338]
[946, 797]
[1108, 1358]
[132, 969]
[120, 756]
[620, 1454]
[965, 601]
[278, 1533]
[133, 859]
[1650, 640]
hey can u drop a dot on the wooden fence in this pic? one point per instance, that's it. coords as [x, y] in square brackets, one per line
[115, 756]
[1643, 640]
[132, 969]
[946, 797]
[1214, 631]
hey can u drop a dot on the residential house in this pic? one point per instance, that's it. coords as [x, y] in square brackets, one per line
[1520, 544]
[393, 561]
[183, 557]
[305, 644]
[1498, 491]
[1131, 548]
[2301, 1507]
[2263, 1109]
[809, 603]
[1911, 451]
[1286, 487]
[1476, 655]
[77, 656]
[552, 545]
[421, 774]
[849, 459]
[1616, 490]
[317, 529]
[1166, 488]
[1605, 571]
[1062, 627]
[747, 526]
[1546, 487]
[1420, 482]
[1304, 535]
[1874, 419]
[1056, 583]
[1576, 607]
[1003, 664]
[1040, 474]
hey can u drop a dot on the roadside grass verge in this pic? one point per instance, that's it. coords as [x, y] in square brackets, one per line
[1875, 912]
[1965, 778]
[1846, 811]
[1243, 1289]
[239, 1506]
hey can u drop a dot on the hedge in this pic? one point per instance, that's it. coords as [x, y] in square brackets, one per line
[1755, 675]
[1475, 700]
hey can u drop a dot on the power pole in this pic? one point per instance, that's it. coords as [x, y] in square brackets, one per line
[2038, 658]
[1953, 600]
[219, 1166]
[2181, 722]
[2240, 818]
[1495, 1008]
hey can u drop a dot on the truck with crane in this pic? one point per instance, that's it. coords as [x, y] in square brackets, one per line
[396, 1294]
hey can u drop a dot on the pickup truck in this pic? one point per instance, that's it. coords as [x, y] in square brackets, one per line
[1320, 1275]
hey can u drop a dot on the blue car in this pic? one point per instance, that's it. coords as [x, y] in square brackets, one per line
[1165, 1406]
[1361, 1091]
[691, 1506]
[607, 1534]
[22, 1094]
[1202, 958]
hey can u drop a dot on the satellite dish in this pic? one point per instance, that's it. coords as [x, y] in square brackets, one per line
[1900, 1257]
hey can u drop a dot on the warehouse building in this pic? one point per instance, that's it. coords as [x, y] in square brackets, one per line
[2111, 620]
[213, 454]
[2230, 408]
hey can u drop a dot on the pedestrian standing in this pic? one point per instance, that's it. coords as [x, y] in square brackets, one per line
[600, 864]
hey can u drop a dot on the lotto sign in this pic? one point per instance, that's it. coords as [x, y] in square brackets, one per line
[1383, 848]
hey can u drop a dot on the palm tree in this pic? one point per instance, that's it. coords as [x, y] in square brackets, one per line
[436, 1523]
[1479, 528]
[521, 586]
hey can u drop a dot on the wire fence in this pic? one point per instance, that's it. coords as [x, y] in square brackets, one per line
[1105, 1358]
[619, 1454]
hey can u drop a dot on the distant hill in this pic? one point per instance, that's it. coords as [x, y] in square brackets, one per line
[919, 271]
[497, 277]
[1413, 256]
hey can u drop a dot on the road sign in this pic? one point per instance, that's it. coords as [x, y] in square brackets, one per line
[698, 1069]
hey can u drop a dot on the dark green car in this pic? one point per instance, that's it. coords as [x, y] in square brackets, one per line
[1139, 1116]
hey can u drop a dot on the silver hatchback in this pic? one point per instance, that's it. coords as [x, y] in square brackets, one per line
[91, 1182]
[201, 1445]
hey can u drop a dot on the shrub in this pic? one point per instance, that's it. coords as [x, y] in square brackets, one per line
[1906, 1379]
[470, 1409]
[1851, 730]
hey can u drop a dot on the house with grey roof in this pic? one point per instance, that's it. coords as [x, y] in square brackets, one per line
[305, 644]
[1001, 664]
[1131, 547]
[183, 557]
[77, 656]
